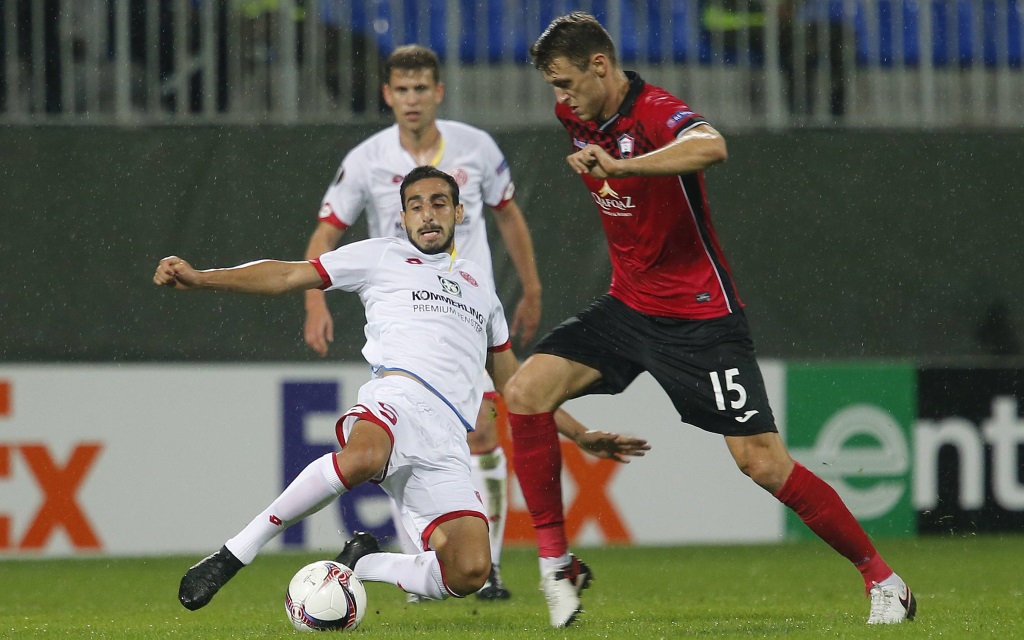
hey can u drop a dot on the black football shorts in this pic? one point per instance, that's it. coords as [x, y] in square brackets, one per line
[707, 367]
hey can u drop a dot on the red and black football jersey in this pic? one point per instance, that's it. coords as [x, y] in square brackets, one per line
[665, 256]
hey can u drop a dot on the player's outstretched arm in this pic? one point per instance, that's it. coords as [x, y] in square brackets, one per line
[268, 277]
[602, 444]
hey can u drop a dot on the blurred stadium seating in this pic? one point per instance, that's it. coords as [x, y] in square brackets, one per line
[744, 63]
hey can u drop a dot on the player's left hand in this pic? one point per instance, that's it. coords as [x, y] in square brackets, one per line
[612, 445]
[526, 318]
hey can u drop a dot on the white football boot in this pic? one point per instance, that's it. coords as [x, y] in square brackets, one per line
[562, 591]
[891, 604]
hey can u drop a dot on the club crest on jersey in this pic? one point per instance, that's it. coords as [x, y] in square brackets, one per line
[626, 146]
[460, 176]
[450, 287]
[468, 278]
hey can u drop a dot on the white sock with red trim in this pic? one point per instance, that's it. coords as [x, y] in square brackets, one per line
[419, 574]
[553, 564]
[314, 488]
[489, 472]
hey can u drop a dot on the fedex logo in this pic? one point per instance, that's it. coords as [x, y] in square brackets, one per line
[59, 483]
[302, 400]
[592, 504]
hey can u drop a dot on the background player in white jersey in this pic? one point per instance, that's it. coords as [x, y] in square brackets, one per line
[368, 181]
[407, 431]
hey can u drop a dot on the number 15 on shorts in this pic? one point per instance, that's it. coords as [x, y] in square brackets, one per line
[731, 386]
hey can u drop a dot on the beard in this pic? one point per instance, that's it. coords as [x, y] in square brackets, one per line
[433, 250]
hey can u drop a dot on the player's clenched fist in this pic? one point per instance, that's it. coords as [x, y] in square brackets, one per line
[593, 160]
[175, 273]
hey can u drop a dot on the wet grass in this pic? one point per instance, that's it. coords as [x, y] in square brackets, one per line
[966, 587]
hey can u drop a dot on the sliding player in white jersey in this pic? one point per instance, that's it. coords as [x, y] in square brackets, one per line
[433, 323]
[368, 181]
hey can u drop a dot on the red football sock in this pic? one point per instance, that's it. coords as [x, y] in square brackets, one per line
[537, 458]
[824, 512]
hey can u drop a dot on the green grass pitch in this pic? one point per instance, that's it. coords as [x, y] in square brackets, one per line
[967, 587]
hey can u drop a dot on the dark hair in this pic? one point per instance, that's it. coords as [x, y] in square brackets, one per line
[423, 173]
[575, 37]
[412, 57]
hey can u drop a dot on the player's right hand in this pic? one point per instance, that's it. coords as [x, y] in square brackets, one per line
[176, 273]
[592, 160]
[319, 330]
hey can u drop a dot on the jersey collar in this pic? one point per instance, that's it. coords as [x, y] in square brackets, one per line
[636, 85]
[443, 258]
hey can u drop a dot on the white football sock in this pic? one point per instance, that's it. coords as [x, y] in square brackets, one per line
[892, 581]
[489, 472]
[551, 565]
[314, 488]
[419, 574]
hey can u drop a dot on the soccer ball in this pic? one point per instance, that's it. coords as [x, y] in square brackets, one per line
[325, 596]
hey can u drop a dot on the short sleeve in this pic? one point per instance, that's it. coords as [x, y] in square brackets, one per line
[347, 195]
[350, 266]
[497, 327]
[497, 187]
[671, 117]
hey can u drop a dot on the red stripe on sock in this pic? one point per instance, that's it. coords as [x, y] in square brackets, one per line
[537, 458]
[444, 581]
[824, 513]
[341, 477]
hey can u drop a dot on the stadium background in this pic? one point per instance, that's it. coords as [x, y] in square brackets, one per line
[879, 265]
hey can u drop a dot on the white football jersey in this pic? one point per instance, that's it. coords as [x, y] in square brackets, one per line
[427, 315]
[371, 174]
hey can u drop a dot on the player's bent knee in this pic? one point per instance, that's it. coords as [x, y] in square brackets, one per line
[464, 553]
[465, 576]
[520, 395]
[765, 473]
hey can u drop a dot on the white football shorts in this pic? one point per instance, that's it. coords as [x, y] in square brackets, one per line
[428, 473]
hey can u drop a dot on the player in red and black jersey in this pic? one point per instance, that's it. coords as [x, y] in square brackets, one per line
[672, 310]
[666, 260]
